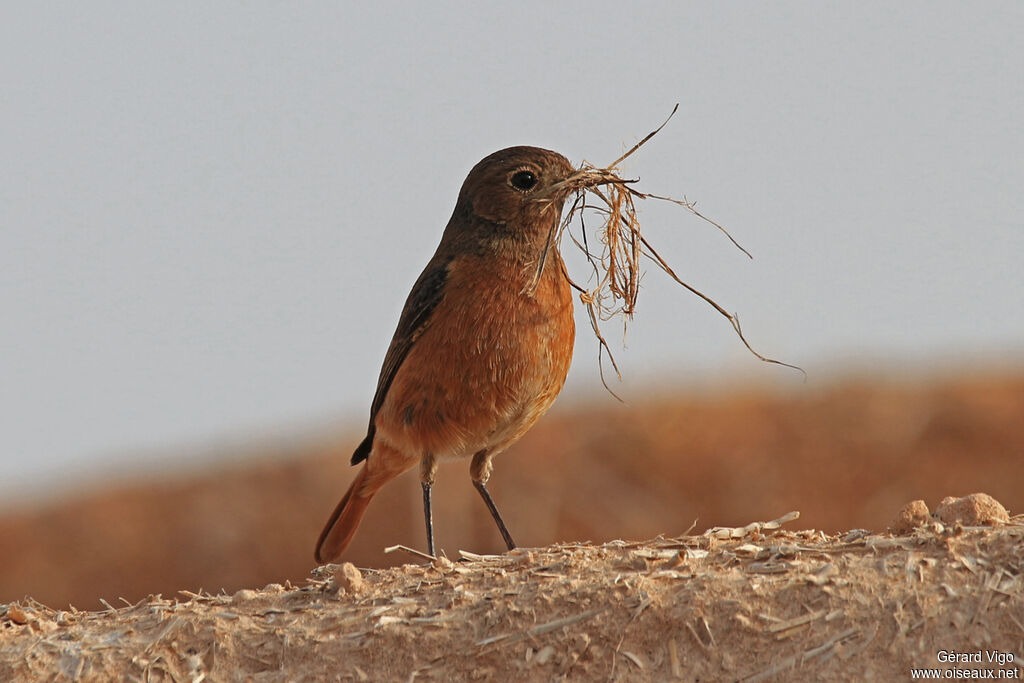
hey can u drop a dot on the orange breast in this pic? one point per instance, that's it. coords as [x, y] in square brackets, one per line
[490, 363]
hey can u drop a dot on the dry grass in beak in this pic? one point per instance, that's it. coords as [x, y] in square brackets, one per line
[616, 264]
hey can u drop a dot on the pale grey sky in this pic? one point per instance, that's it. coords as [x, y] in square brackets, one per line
[211, 213]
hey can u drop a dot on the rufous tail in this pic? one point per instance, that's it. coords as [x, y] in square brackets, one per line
[344, 521]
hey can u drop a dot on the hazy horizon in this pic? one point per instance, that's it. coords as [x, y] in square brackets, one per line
[212, 214]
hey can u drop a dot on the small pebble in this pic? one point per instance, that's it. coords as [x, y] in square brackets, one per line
[348, 578]
[977, 509]
[17, 614]
[910, 516]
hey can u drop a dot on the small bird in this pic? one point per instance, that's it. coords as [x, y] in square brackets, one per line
[483, 343]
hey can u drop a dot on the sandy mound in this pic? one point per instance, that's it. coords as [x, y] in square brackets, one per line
[754, 603]
[846, 455]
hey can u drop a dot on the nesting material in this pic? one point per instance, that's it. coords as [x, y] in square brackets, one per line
[616, 263]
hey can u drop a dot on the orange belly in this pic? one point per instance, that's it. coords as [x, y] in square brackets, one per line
[482, 374]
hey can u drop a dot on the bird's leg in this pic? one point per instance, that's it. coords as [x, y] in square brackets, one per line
[428, 468]
[480, 472]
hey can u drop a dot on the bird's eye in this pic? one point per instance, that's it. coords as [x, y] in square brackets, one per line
[523, 180]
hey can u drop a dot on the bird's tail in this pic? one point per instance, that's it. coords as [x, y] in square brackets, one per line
[344, 521]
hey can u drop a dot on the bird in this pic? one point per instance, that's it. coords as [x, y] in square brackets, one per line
[483, 343]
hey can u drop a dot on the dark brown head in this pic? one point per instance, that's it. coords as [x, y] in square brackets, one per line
[513, 187]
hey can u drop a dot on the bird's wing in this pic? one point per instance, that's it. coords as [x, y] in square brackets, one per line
[423, 299]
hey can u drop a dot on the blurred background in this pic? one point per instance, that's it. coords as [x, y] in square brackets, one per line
[210, 217]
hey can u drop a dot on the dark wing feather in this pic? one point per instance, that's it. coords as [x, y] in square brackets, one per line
[423, 299]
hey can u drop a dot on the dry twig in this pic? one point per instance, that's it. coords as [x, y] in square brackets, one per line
[616, 265]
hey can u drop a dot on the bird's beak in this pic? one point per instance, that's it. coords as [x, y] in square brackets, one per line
[561, 188]
[554, 196]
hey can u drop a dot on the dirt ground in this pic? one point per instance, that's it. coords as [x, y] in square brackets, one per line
[744, 604]
[824, 603]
